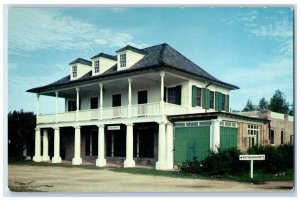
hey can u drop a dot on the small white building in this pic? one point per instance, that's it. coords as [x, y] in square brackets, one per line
[117, 108]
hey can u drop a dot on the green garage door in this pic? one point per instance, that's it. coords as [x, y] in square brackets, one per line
[228, 137]
[191, 142]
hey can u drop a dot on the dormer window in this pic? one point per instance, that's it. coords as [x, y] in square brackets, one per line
[74, 71]
[123, 60]
[96, 63]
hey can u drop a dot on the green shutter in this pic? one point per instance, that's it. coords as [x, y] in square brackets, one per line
[218, 101]
[194, 96]
[204, 98]
[227, 103]
[208, 98]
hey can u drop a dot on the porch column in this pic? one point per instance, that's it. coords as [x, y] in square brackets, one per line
[37, 107]
[169, 145]
[160, 164]
[45, 145]
[37, 155]
[77, 103]
[100, 101]
[215, 125]
[129, 162]
[101, 161]
[77, 160]
[56, 105]
[129, 97]
[56, 158]
[162, 86]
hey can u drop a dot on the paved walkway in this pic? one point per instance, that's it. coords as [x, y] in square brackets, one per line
[63, 179]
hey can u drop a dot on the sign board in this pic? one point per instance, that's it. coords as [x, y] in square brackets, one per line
[111, 128]
[252, 157]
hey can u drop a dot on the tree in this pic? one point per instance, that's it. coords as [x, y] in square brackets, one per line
[263, 104]
[278, 103]
[20, 133]
[291, 112]
[249, 106]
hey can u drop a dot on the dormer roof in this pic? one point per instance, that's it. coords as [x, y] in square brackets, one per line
[134, 49]
[111, 57]
[81, 61]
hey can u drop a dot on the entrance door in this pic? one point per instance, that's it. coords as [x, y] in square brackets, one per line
[116, 142]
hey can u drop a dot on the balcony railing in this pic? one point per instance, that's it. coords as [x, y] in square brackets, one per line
[140, 110]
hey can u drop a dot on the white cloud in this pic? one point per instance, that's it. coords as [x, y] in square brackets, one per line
[31, 29]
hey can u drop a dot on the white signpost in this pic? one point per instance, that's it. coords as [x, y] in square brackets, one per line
[251, 158]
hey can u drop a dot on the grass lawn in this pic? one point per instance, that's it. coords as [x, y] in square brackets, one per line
[258, 177]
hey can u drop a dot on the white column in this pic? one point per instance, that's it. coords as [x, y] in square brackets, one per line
[45, 145]
[129, 162]
[169, 145]
[215, 134]
[160, 164]
[162, 86]
[77, 160]
[77, 103]
[129, 97]
[101, 101]
[56, 158]
[37, 107]
[101, 161]
[37, 155]
[56, 105]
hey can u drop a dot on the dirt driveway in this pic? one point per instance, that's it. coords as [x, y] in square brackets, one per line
[61, 179]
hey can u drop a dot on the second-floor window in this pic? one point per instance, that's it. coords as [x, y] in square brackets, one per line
[74, 71]
[174, 95]
[96, 63]
[123, 60]
[94, 102]
[198, 97]
[212, 100]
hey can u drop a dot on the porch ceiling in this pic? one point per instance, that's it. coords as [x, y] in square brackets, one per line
[138, 82]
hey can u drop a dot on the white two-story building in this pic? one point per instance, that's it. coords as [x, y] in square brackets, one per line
[128, 107]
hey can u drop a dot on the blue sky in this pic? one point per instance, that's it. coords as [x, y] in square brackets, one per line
[248, 47]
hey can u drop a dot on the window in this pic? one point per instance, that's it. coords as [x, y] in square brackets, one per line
[223, 102]
[94, 102]
[198, 97]
[282, 137]
[74, 71]
[123, 60]
[96, 64]
[272, 136]
[174, 95]
[212, 100]
[116, 100]
[253, 131]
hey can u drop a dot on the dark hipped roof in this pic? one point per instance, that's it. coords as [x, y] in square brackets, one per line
[134, 49]
[156, 57]
[105, 56]
[213, 115]
[81, 61]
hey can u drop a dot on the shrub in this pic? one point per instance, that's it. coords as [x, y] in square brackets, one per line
[225, 162]
[278, 159]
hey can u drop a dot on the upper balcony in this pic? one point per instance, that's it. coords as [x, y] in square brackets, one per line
[147, 95]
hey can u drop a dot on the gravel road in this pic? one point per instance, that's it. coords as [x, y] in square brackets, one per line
[62, 179]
